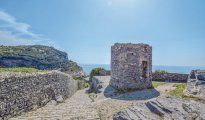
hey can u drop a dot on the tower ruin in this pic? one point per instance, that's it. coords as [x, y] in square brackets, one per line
[131, 66]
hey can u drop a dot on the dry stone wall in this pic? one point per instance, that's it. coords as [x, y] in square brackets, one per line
[170, 77]
[21, 92]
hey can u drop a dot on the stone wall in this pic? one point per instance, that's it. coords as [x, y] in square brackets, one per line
[21, 92]
[131, 66]
[175, 77]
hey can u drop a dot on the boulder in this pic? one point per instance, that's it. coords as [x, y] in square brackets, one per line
[196, 84]
[166, 108]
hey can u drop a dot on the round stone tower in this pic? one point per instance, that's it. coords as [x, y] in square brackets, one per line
[131, 66]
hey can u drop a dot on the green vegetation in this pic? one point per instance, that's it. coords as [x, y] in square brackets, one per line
[86, 85]
[78, 78]
[156, 84]
[160, 71]
[178, 91]
[95, 72]
[21, 69]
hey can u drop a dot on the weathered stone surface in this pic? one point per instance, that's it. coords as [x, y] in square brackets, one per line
[96, 84]
[131, 66]
[22, 92]
[195, 85]
[172, 77]
[38, 56]
[168, 108]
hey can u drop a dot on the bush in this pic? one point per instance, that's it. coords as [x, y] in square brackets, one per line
[160, 71]
[95, 72]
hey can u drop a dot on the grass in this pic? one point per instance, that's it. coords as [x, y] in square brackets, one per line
[21, 69]
[157, 84]
[178, 91]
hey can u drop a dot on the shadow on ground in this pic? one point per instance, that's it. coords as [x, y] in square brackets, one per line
[145, 94]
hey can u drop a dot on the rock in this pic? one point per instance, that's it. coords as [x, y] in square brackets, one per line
[38, 56]
[96, 84]
[59, 99]
[51, 103]
[134, 113]
[81, 84]
[166, 108]
[196, 84]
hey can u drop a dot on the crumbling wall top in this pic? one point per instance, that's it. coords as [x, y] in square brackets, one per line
[129, 45]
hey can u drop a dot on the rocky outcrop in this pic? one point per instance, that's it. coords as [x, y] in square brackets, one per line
[22, 92]
[168, 108]
[96, 84]
[196, 86]
[172, 77]
[38, 56]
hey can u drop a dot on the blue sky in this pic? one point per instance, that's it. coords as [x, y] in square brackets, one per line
[86, 29]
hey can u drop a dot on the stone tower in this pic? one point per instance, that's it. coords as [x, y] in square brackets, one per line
[131, 66]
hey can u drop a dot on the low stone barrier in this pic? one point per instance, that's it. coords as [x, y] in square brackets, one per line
[22, 92]
[170, 77]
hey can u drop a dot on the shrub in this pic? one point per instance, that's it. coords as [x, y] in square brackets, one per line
[95, 72]
[160, 71]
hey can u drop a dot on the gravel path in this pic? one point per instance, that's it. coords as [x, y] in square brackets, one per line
[78, 107]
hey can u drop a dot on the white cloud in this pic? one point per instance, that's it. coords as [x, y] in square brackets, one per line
[13, 32]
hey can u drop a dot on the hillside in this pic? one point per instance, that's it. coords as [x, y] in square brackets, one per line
[37, 56]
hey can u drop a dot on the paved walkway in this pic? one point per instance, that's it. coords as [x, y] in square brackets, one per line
[78, 107]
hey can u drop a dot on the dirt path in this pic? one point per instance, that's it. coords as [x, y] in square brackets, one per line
[78, 107]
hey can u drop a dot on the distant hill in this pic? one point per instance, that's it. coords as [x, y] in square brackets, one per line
[37, 56]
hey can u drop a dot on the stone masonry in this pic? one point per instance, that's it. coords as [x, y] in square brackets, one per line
[170, 77]
[22, 92]
[131, 66]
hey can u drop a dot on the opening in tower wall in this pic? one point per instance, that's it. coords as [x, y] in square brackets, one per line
[144, 69]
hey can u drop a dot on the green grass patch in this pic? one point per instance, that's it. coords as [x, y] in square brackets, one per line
[21, 69]
[178, 91]
[157, 84]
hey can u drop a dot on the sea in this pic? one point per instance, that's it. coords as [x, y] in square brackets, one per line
[172, 69]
